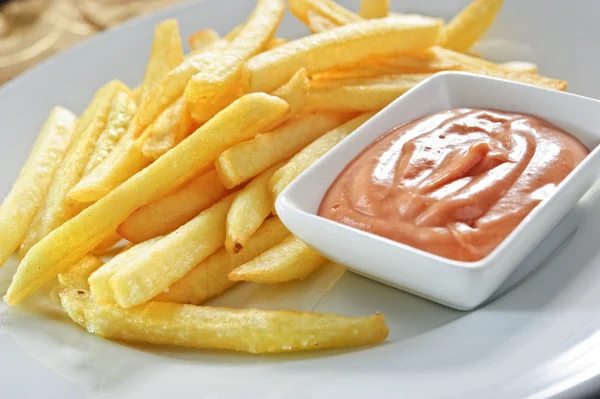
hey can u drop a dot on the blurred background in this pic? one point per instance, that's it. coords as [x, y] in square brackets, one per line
[33, 30]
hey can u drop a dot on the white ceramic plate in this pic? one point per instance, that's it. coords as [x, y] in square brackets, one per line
[540, 339]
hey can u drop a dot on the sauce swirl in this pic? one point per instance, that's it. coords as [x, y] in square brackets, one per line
[454, 183]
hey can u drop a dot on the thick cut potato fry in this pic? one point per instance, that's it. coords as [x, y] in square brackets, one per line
[520, 66]
[99, 280]
[136, 94]
[166, 54]
[465, 29]
[71, 241]
[77, 275]
[327, 10]
[107, 244]
[294, 92]
[56, 208]
[374, 8]
[361, 94]
[246, 160]
[203, 38]
[207, 89]
[248, 211]
[337, 48]
[121, 113]
[245, 330]
[276, 41]
[175, 209]
[309, 155]
[19, 208]
[480, 66]
[170, 128]
[172, 257]
[288, 261]
[209, 277]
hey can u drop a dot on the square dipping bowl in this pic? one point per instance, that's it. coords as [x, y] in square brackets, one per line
[461, 285]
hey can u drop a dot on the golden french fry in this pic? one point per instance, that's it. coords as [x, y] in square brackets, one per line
[339, 47]
[172, 257]
[248, 211]
[232, 34]
[99, 280]
[359, 94]
[209, 277]
[480, 66]
[207, 89]
[245, 330]
[309, 155]
[56, 209]
[243, 161]
[27, 194]
[170, 128]
[175, 209]
[374, 8]
[288, 261]
[77, 275]
[202, 39]
[520, 66]
[327, 10]
[166, 54]
[70, 242]
[466, 28]
[294, 92]
[122, 111]
[107, 244]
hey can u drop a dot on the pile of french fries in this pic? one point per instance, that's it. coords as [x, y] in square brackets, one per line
[187, 166]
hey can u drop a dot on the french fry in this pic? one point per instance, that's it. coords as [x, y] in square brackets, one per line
[170, 128]
[166, 54]
[309, 155]
[107, 244]
[77, 275]
[136, 94]
[248, 211]
[232, 34]
[374, 8]
[56, 209]
[326, 10]
[246, 160]
[294, 92]
[466, 28]
[337, 48]
[99, 280]
[520, 66]
[206, 91]
[71, 241]
[480, 66]
[175, 209]
[203, 38]
[291, 260]
[360, 94]
[122, 111]
[209, 277]
[245, 330]
[18, 210]
[169, 259]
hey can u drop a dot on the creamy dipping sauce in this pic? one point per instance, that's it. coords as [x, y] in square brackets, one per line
[455, 183]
